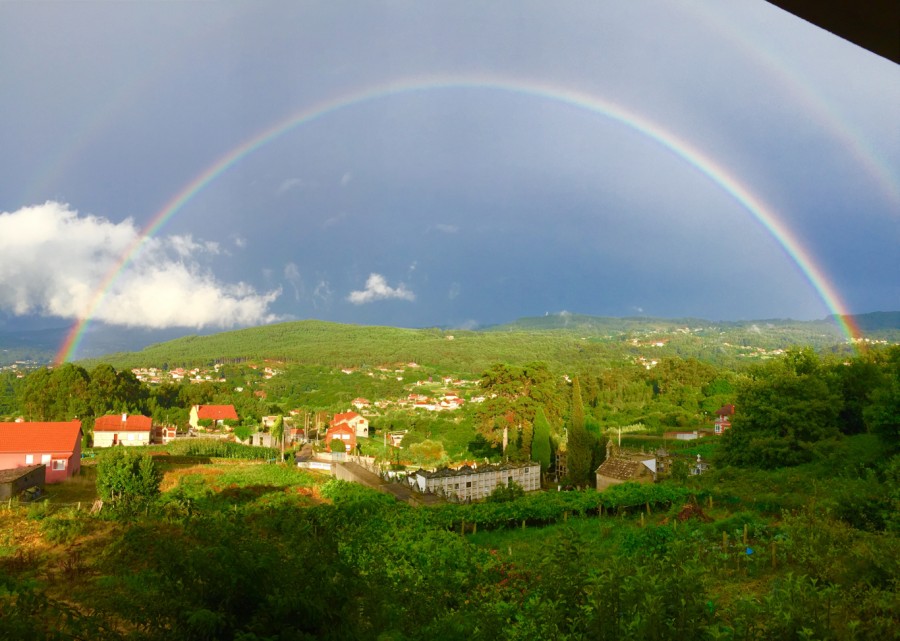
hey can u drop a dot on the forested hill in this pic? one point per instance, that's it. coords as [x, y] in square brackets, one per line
[562, 337]
[336, 345]
[566, 339]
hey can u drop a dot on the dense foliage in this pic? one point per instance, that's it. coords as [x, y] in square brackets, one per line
[127, 480]
[792, 406]
[254, 564]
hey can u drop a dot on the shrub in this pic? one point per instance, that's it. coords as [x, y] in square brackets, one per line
[64, 528]
[506, 493]
[127, 479]
[428, 451]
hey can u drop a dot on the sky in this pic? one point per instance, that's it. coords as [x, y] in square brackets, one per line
[212, 165]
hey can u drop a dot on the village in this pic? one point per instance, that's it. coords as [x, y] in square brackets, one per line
[36, 454]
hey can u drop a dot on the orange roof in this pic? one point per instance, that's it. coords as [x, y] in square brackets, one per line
[346, 416]
[216, 412]
[340, 428]
[39, 437]
[114, 423]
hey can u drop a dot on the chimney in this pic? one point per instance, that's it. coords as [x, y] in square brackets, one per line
[124, 417]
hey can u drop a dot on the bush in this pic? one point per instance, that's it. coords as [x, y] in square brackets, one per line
[506, 493]
[64, 528]
[127, 479]
[243, 432]
[428, 451]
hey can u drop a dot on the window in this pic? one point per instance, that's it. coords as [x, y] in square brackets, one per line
[59, 464]
[29, 459]
[45, 458]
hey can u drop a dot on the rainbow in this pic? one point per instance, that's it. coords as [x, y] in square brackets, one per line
[527, 88]
[808, 99]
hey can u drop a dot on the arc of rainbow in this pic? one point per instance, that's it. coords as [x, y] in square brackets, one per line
[688, 153]
[809, 98]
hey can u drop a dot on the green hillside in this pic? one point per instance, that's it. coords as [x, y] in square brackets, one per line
[335, 345]
[569, 340]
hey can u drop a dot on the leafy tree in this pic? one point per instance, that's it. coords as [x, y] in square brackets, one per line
[514, 394]
[112, 392]
[857, 380]
[428, 451]
[70, 384]
[10, 386]
[128, 480]
[882, 414]
[57, 395]
[782, 409]
[540, 446]
[36, 401]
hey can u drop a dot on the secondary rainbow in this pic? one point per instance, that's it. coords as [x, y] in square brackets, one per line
[527, 88]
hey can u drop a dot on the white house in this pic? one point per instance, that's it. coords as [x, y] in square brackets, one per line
[122, 429]
[359, 424]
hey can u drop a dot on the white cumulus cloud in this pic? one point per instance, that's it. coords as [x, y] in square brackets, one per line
[57, 262]
[378, 289]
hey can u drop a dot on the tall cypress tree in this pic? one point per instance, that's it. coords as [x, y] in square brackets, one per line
[580, 442]
[577, 405]
[540, 446]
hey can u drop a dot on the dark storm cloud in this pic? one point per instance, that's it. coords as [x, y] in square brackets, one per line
[506, 204]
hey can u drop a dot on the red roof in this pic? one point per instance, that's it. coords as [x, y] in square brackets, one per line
[114, 423]
[340, 428]
[346, 416]
[216, 412]
[39, 437]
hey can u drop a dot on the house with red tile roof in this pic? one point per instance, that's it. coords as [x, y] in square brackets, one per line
[218, 414]
[57, 445]
[723, 418]
[359, 424]
[122, 429]
[342, 433]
